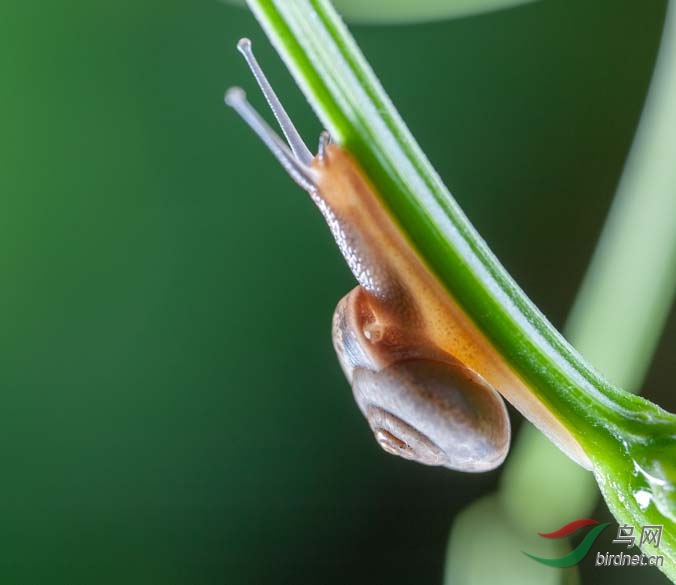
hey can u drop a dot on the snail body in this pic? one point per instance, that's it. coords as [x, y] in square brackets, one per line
[421, 372]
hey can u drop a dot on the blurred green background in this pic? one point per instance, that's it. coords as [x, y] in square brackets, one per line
[171, 408]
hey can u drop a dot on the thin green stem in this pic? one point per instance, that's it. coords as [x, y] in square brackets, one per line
[633, 271]
[638, 239]
[633, 274]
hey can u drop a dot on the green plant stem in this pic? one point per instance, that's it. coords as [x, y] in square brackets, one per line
[633, 271]
[349, 100]
[632, 274]
[630, 441]
[406, 12]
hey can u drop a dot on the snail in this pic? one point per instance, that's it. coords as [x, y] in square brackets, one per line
[421, 372]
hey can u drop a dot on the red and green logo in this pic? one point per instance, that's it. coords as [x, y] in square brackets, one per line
[576, 555]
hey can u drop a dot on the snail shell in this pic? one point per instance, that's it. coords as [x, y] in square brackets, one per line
[420, 402]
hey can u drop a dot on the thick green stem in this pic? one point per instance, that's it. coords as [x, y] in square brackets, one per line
[329, 67]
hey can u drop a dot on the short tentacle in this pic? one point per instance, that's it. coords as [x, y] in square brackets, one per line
[324, 141]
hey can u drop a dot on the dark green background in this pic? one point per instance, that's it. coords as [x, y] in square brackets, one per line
[171, 410]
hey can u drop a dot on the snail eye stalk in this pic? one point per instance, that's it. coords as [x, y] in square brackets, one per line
[300, 150]
[293, 155]
[301, 173]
